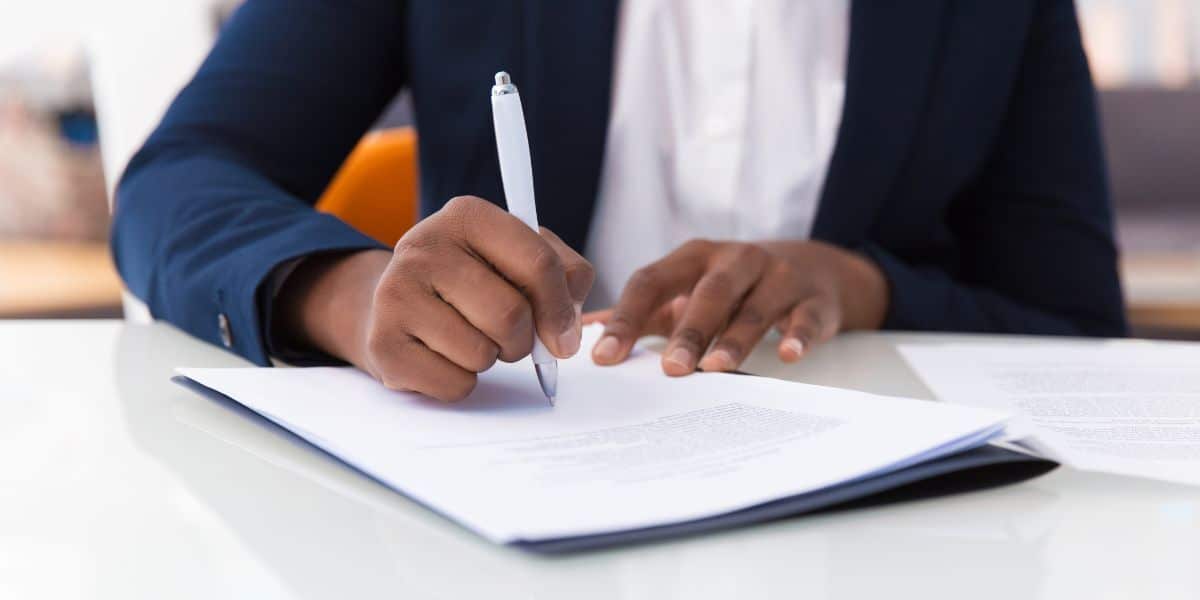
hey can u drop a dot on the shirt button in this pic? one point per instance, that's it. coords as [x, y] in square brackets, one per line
[226, 334]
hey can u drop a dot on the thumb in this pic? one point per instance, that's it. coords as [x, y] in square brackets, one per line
[578, 270]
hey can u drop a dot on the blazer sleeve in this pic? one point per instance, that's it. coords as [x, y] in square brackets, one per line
[1034, 232]
[222, 192]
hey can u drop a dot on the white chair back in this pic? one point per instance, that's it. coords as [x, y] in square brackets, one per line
[142, 52]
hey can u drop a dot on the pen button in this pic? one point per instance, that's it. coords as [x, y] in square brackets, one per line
[223, 327]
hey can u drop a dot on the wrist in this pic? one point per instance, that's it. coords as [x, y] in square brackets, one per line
[326, 303]
[865, 292]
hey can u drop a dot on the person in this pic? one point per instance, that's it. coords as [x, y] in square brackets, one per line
[812, 166]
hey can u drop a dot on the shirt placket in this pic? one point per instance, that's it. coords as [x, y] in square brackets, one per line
[712, 164]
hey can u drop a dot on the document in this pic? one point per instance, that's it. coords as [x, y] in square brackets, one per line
[625, 448]
[1126, 407]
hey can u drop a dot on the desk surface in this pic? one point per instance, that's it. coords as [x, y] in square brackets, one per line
[115, 483]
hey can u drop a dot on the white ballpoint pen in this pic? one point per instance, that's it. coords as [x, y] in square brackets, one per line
[516, 171]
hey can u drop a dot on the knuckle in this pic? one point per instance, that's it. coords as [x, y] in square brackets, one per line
[403, 245]
[779, 268]
[457, 216]
[585, 269]
[455, 389]
[512, 317]
[550, 236]
[419, 236]
[750, 316]
[546, 262]
[690, 336]
[393, 376]
[516, 350]
[386, 348]
[483, 355]
[514, 334]
[474, 280]
[387, 291]
[583, 273]
[721, 280]
[461, 204]
[645, 278]
[411, 258]
[620, 323]
[748, 253]
[394, 293]
[697, 245]
[717, 286]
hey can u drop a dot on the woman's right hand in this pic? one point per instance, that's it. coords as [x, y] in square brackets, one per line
[464, 287]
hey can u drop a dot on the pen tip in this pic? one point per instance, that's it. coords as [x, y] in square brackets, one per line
[547, 376]
[502, 78]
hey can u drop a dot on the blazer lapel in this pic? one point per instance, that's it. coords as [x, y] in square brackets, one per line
[891, 60]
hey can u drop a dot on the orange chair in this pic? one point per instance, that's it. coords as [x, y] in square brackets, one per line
[375, 191]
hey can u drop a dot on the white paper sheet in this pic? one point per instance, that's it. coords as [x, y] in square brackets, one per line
[626, 447]
[1125, 407]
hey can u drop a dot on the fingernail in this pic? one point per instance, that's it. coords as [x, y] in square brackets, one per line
[682, 358]
[568, 341]
[795, 345]
[717, 360]
[606, 349]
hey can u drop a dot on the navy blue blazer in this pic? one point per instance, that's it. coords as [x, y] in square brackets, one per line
[968, 164]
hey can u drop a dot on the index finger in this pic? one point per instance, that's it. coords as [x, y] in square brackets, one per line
[522, 256]
[648, 289]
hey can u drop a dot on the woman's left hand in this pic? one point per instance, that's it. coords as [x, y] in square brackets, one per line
[716, 300]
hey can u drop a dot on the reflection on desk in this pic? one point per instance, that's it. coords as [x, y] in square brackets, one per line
[139, 488]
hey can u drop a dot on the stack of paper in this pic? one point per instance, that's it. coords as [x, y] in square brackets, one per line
[625, 449]
[1125, 407]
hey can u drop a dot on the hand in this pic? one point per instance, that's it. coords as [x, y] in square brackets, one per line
[464, 287]
[716, 300]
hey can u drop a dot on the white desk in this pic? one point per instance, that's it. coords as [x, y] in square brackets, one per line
[116, 483]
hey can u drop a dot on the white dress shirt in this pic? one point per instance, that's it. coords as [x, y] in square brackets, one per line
[723, 121]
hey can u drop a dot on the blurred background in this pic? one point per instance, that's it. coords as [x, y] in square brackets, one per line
[83, 82]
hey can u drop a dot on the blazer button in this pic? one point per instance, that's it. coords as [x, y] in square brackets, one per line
[226, 334]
